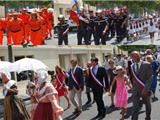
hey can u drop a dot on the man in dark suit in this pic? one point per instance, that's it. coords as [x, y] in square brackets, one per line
[98, 80]
[76, 85]
[141, 73]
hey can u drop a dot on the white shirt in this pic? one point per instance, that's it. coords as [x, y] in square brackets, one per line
[139, 65]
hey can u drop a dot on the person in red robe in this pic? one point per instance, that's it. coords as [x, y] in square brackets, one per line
[1, 31]
[15, 27]
[35, 30]
[50, 23]
[8, 18]
[45, 17]
[25, 18]
[44, 23]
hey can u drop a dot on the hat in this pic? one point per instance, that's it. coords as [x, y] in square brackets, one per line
[15, 14]
[33, 13]
[90, 11]
[99, 11]
[61, 16]
[24, 9]
[118, 68]
[42, 76]
[81, 8]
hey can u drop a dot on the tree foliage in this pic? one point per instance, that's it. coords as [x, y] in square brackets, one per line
[16, 4]
[133, 6]
[140, 48]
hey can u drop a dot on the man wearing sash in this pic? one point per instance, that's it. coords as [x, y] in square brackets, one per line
[141, 73]
[98, 80]
[76, 85]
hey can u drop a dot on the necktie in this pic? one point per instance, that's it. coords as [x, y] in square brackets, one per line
[137, 67]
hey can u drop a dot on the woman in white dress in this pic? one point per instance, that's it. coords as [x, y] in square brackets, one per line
[151, 29]
[131, 31]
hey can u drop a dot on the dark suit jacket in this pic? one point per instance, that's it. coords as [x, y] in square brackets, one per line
[145, 74]
[101, 76]
[79, 77]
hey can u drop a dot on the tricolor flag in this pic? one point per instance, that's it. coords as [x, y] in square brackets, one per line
[74, 5]
[74, 11]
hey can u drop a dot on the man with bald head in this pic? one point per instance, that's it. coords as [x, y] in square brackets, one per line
[141, 73]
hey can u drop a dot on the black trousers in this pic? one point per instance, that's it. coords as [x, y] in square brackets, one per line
[80, 35]
[62, 39]
[99, 36]
[136, 95]
[98, 97]
[90, 33]
[112, 31]
[119, 33]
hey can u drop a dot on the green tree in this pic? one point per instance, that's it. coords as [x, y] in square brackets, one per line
[140, 48]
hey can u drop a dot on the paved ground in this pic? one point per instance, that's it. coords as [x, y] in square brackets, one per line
[72, 40]
[89, 112]
[145, 40]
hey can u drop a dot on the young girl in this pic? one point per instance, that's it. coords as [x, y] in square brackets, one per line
[121, 91]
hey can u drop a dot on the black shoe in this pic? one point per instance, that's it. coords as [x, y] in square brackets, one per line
[75, 111]
[147, 118]
[93, 102]
[98, 115]
[88, 102]
[112, 106]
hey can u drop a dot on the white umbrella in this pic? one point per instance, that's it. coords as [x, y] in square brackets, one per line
[27, 64]
[4, 65]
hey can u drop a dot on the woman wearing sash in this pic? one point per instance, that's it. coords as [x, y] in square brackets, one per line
[47, 96]
[60, 84]
[14, 109]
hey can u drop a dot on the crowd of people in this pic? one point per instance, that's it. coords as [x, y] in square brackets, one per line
[138, 72]
[140, 27]
[102, 26]
[24, 28]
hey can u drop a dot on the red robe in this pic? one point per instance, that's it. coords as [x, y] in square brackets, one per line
[25, 18]
[16, 31]
[36, 32]
[2, 23]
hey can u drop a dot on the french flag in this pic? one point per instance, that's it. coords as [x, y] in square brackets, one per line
[74, 11]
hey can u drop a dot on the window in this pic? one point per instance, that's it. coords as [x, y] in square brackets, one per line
[23, 75]
[18, 57]
[60, 10]
[1, 58]
[29, 56]
[93, 55]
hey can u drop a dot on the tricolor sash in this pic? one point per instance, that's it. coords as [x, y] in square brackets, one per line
[95, 79]
[136, 78]
[61, 84]
[73, 77]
